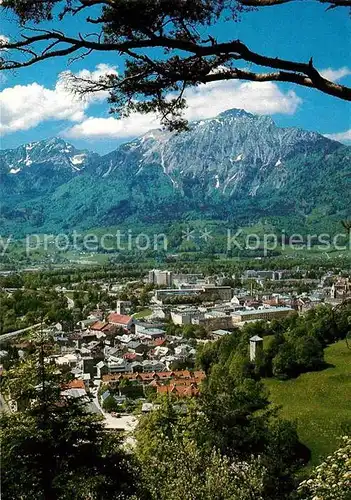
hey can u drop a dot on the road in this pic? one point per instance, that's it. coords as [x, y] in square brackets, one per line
[9, 335]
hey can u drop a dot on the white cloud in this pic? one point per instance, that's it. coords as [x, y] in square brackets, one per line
[3, 39]
[132, 126]
[265, 98]
[341, 136]
[204, 101]
[100, 71]
[335, 74]
[25, 106]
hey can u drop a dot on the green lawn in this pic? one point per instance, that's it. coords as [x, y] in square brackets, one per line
[142, 314]
[320, 402]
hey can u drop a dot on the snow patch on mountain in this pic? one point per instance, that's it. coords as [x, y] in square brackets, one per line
[78, 159]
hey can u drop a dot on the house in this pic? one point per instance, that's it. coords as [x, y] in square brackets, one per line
[101, 369]
[341, 288]
[267, 314]
[159, 342]
[124, 339]
[122, 321]
[222, 292]
[217, 334]
[159, 313]
[74, 384]
[67, 359]
[149, 332]
[85, 323]
[109, 330]
[86, 337]
[137, 347]
[185, 316]
[150, 366]
[119, 399]
[263, 274]
[94, 346]
[123, 306]
[86, 378]
[160, 351]
[136, 366]
[181, 378]
[118, 365]
[182, 350]
[104, 396]
[74, 393]
[96, 314]
[216, 320]
[76, 389]
[178, 390]
[98, 326]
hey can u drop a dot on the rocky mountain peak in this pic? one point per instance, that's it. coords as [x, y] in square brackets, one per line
[236, 163]
[53, 153]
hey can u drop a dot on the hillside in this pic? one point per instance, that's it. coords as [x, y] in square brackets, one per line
[319, 401]
[235, 167]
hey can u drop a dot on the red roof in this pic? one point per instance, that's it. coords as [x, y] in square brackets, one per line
[119, 319]
[99, 325]
[75, 384]
[129, 355]
[183, 377]
[159, 342]
[109, 328]
[189, 391]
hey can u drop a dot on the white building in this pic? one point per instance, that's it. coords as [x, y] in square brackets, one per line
[185, 317]
[158, 277]
[266, 313]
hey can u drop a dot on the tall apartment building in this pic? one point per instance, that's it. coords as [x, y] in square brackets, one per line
[158, 277]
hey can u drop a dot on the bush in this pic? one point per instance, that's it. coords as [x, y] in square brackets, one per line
[331, 480]
[110, 404]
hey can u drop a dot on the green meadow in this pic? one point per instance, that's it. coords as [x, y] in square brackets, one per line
[142, 314]
[320, 402]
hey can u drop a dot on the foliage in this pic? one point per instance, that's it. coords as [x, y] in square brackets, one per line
[167, 48]
[54, 444]
[234, 418]
[296, 344]
[26, 307]
[185, 472]
[331, 480]
[110, 404]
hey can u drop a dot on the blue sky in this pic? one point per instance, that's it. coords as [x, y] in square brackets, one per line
[34, 104]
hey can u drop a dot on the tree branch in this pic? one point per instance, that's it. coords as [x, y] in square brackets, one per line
[179, 29]
[295, 72]
[272, 3]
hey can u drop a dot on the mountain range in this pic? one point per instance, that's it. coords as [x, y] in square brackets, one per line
[234, 167]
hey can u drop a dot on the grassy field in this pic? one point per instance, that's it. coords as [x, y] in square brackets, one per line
[142, 314]
[320, 402]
